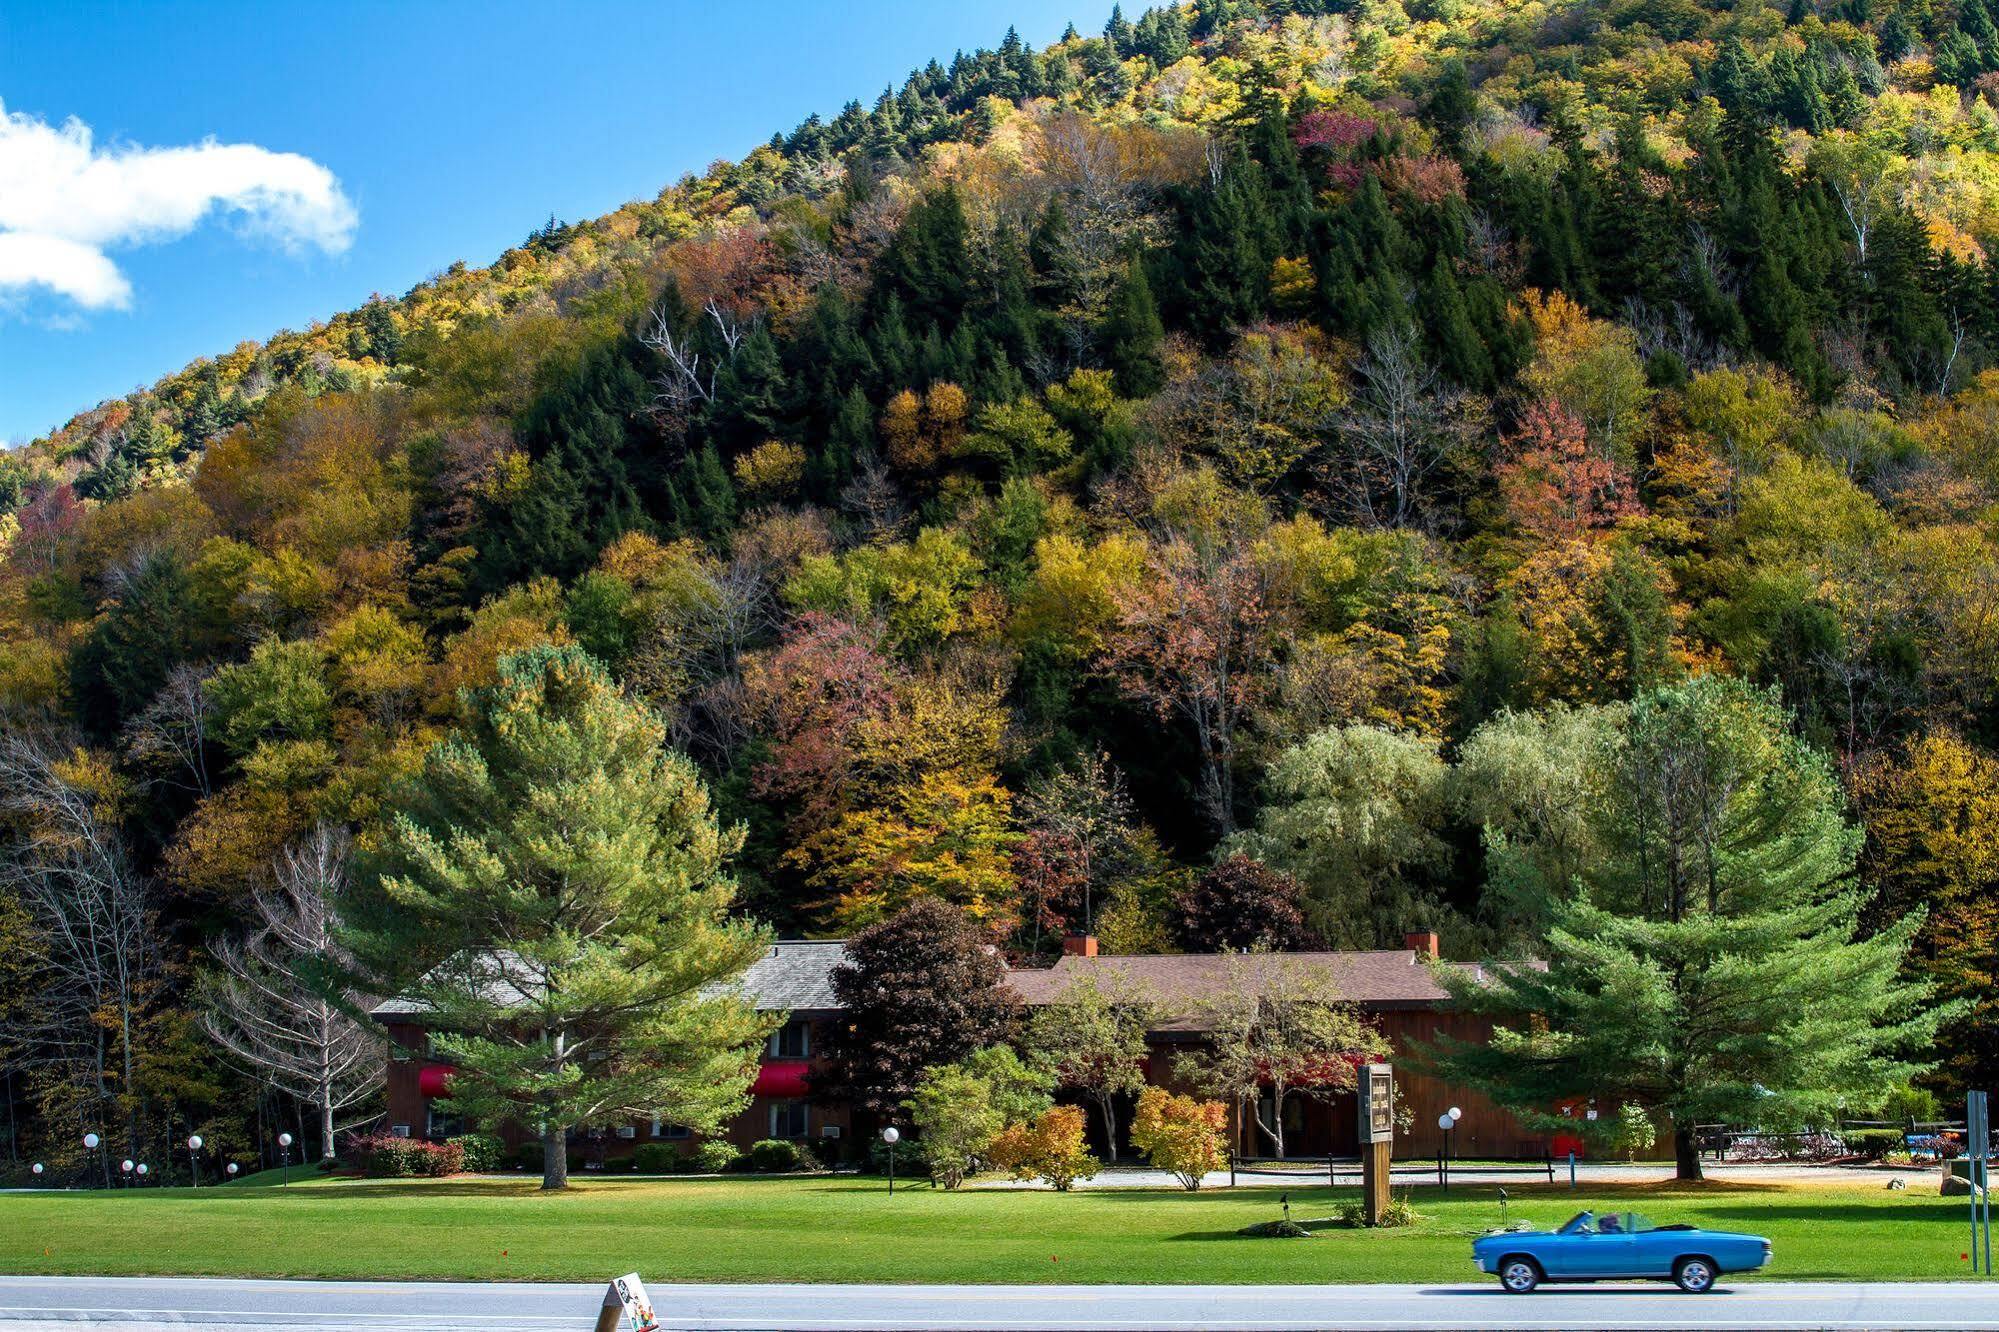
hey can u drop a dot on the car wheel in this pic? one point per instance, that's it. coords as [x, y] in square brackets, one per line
[1519, 1275]
[1694, 1275]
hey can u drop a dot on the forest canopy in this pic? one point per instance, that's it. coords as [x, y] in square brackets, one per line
[1253, 469]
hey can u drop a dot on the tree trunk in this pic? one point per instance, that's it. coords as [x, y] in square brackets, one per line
[1686, 1153]
[554, 1158]
[1109, 1106]
[325, 1124]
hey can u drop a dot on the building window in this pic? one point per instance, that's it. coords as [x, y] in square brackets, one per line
[791, 1041]
[662, 1129]
[442, 1123]
[787, 1119]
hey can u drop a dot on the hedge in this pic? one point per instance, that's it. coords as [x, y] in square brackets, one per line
[384, 1156]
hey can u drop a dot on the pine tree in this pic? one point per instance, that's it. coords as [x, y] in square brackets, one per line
[1134, 339]
[926, 265]
[1118, 31]
[1459, 350]
[1452, 107]
[710, 494]
[552, 897]
[1710, 965]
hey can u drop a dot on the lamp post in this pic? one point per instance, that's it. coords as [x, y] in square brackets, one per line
[284, 1159]
[125, 1169]
[231, 1169]
[142, 1172]
[194, 1159]
[38, 1170]
[891, 1135]
[1446, 1121]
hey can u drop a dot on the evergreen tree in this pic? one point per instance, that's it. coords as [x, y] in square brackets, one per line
[551, 897]
[927, 265]
[1452, 107]
[1459, 348]
[709, 493]
[1134, 338]
[1709, 965]
[135, 645]
[1118, 31]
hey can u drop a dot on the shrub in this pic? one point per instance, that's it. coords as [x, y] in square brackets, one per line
[959, 1109]
[527, 1156]
[715, 1155]
[384, 1156]
[1911, 1103]
[1181, 1134]
[773, 1156]
[655, 1158]
[1873, 1143]
[482, 1153]
[1632, 1131]
[955, 1122]
[1050, 1148]
[1398, 1211]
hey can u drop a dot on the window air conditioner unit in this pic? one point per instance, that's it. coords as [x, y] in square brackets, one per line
[399, 1130]
[829, 1130]
[627, 1131]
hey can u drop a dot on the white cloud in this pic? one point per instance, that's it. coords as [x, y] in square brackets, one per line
[64, 202]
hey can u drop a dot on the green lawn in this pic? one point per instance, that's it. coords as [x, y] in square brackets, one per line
[852, 1230]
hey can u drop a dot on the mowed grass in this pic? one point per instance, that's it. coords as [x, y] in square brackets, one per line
[851, 1230]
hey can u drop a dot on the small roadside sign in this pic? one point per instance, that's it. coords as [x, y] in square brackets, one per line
[1978, 1152]
[626, 1307]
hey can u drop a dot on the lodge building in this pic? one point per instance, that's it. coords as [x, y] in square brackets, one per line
[1395, 989]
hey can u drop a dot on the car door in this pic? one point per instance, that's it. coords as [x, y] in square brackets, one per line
[1607, 1250]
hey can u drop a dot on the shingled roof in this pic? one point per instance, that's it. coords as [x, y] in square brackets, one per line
[1178, 983]
[499, 975]
[796, 976]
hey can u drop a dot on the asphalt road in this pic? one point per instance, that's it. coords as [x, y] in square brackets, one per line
[189, 1304]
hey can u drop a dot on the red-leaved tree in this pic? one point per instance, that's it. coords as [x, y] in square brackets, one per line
[1193, 639]
[1555, 486]
[1243, 903]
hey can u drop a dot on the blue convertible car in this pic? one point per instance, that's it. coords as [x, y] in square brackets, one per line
[1603, 1246]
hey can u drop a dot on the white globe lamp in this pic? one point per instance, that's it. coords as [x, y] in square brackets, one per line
[891, 1135]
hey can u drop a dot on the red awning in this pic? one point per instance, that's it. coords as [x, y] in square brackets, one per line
[430, 1080]
[782, 1079]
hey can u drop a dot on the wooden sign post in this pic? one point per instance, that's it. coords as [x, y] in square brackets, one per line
[1377, 1135]
[626, 1307]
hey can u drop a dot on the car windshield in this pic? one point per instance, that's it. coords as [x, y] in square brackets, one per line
[1622, 1223]
[1579, 1224]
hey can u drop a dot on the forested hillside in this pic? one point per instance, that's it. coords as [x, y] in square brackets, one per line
[1294, 472]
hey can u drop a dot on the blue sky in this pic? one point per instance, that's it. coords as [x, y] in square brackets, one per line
[434, 132]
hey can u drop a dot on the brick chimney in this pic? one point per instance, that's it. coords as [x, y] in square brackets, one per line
[1423, 942]
[1079, 945]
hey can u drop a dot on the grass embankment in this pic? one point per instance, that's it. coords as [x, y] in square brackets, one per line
[852, 1230]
